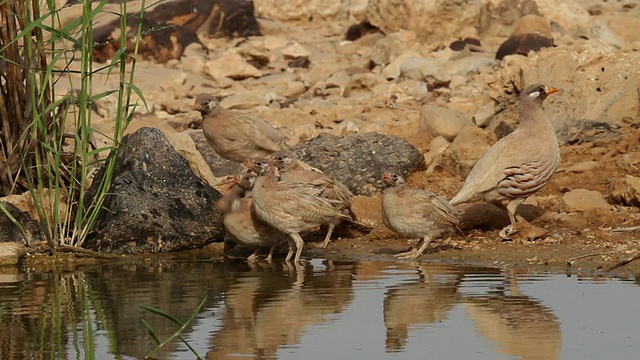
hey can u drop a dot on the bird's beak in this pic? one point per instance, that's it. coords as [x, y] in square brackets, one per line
[385, 177]
[552, 90]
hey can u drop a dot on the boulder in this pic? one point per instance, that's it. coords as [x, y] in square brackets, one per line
[393, 45]
[629, 162]
[231, 65]
[581, 200]
[10, 253]
[467, 148]
[440, 121]
[358, 160]
[302, 10]
[9, 231]
[583, 131]
[156, 203]
[625, 191]
[436, 22]
[598, 82]
[531, 33]
[219, 166]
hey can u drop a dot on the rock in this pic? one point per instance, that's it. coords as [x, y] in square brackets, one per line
[159, 42]
[337, 80]
[358, 160]
[186, 147]
[437, 146]
[466, 150]
[598, 82]
[484, 114]
[392, 71]
[625, 191]
[466, 43]
[306, 10]
[207, 18]
[219, 166]
[629, 162]
[418, 90]
[431, 71]
[436, 22]
[10, 253]
[295, 51]
[582, 167]
[363, 85]
[531, 33]
[468, 64]
[569, 14]
[440, 121]
[522, 232]
[584, 200]
[582, 131]
[231, 65]
[356, 31]
[9, 232]
[225, 19]
[156, 202]
[393, 45]
[625, 27]
[243, 101]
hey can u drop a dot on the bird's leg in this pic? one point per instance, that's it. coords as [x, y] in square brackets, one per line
[270, 256]
[299, 245]
[254, 256]
[415, 252]
[512, 206]
[327, 239]
[292, 245]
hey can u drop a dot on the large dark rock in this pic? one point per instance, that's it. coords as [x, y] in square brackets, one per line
[156, 202]
[359, 160]
[171, 26]
[219, 166]
[579, 131]
[531, 33]
[9, 231]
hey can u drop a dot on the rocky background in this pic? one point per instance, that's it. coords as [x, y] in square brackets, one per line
[437, 80]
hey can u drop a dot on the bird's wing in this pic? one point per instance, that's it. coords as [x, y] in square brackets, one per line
[302, 201]
[525, 179]
[486, 173]
[434, 207]
[263, 134]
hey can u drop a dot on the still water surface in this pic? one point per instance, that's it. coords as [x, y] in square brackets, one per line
[324, 310]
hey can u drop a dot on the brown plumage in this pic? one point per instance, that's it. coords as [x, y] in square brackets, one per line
[292, 169]
[236, 136]
[242, 223]
[291, 207]
[519, 164]
[415, 213]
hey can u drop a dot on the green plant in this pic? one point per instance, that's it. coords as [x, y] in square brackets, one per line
[46, 143]
[183, 325]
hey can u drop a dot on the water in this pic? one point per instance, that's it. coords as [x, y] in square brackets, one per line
[324, 310]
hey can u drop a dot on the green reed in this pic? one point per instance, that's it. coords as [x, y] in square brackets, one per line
[182, 326]
[46, 145]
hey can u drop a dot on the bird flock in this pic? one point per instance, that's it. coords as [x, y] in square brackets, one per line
[278, 197]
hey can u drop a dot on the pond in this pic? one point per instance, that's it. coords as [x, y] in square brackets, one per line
[322, 310]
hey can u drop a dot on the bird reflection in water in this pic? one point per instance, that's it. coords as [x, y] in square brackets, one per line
[265, 310]
[518, 324]
[425, 300]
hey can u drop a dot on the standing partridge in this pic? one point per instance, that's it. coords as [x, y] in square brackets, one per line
[236, 136]
[518, 165]
[415, 213]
